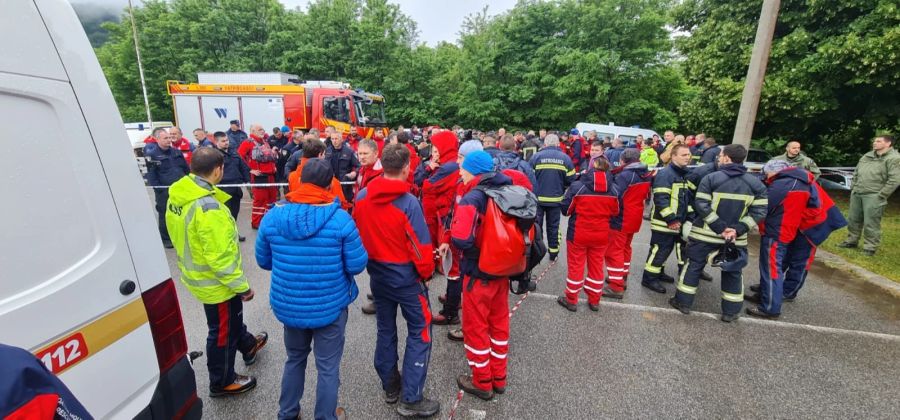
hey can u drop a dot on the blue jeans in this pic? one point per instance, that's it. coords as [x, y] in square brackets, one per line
[328, 349]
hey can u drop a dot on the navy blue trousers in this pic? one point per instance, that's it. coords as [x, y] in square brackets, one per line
[227, 336]
[415, 307]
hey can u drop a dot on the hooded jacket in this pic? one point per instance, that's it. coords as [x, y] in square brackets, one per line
[393, 230]
[631, 186]
[313, 249]
[367, 174]
[790, 193]
[336, 190]
[511, 160]
[590, 203]
[728, 198]
[205, 238]
[439, 185]
[466, 232]
[817, 223]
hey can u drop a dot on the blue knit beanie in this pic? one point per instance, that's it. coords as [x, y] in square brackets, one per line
[478, 162]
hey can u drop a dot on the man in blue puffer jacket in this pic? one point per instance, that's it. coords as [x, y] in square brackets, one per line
[313, 249]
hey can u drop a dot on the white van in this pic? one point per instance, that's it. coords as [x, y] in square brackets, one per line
[628, 134]
[84, 283]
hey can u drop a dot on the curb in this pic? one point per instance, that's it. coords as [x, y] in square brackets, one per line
[866, 276]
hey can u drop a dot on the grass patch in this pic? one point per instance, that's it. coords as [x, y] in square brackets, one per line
[887, 261]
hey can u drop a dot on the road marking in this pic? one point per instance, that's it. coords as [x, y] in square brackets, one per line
[745, 319]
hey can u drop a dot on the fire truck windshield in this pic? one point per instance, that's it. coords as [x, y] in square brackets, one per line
[370, 112]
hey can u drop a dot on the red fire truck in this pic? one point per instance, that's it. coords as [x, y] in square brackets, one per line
[275, 100]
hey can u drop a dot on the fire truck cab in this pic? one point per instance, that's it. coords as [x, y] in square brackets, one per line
[275, 100]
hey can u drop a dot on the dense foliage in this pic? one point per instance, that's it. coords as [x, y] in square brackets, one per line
[833, 77]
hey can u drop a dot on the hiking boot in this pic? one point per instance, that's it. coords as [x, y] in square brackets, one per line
[167, 244]
[370, 296]
[340, 413]
[612, 294]
[677, 305]
[455, 334]
[500, 390]
[261, 340]
[562, 301]
[392, 394]
[594, 306]
[759, 313]
[654, 286]
[754, 288]
[442, 298]
[422, 408]
[705, 276]
[464, 382]
[441, 319]
[368, 308]
[729, 318]
[665, 278]
[869, 252]
[242, 238]
[553, 256]
[847, 245]
[240, 385]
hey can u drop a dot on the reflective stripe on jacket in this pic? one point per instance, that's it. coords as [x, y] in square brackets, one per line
[205, 238]
[728, 198]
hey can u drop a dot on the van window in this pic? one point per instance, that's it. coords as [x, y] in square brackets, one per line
[337, 108]
[604, 136]
[628, 140]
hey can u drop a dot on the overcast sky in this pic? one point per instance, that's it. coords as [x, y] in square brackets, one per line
[438, 20]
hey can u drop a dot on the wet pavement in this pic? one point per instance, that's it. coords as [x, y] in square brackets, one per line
[832, 354]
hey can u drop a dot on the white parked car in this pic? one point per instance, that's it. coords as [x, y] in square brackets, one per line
[137, 133]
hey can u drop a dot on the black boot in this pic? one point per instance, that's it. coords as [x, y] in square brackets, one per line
[665, 278]
[677, 305]
[759, 313]
[392, 393]
[754, 288]
[705, 276]
[422, 408]
[653, 285]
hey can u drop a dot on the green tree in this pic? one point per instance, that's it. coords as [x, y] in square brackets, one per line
[832, 79]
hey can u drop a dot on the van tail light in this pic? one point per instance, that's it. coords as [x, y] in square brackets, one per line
[166, 324]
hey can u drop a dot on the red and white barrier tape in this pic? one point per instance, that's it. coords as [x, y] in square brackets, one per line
[271, 184]
[525, 296]
[459, 394]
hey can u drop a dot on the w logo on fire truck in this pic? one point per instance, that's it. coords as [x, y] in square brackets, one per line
[221, 112]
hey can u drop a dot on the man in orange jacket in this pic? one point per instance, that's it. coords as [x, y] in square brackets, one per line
[312, 149]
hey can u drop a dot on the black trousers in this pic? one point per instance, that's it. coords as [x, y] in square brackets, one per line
[162, 196]
[227, 336]
[552, 214]
[234, 203]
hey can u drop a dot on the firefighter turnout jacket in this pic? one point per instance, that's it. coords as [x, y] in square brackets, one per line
[554, 171]
[205, 238]
[728, 198]
[672, 197]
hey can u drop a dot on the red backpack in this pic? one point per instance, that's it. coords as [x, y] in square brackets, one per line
[507, 231]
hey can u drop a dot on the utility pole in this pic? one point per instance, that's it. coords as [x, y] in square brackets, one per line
[756, 72]
[137, 52]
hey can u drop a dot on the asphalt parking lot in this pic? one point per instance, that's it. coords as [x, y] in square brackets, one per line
[833, 354]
